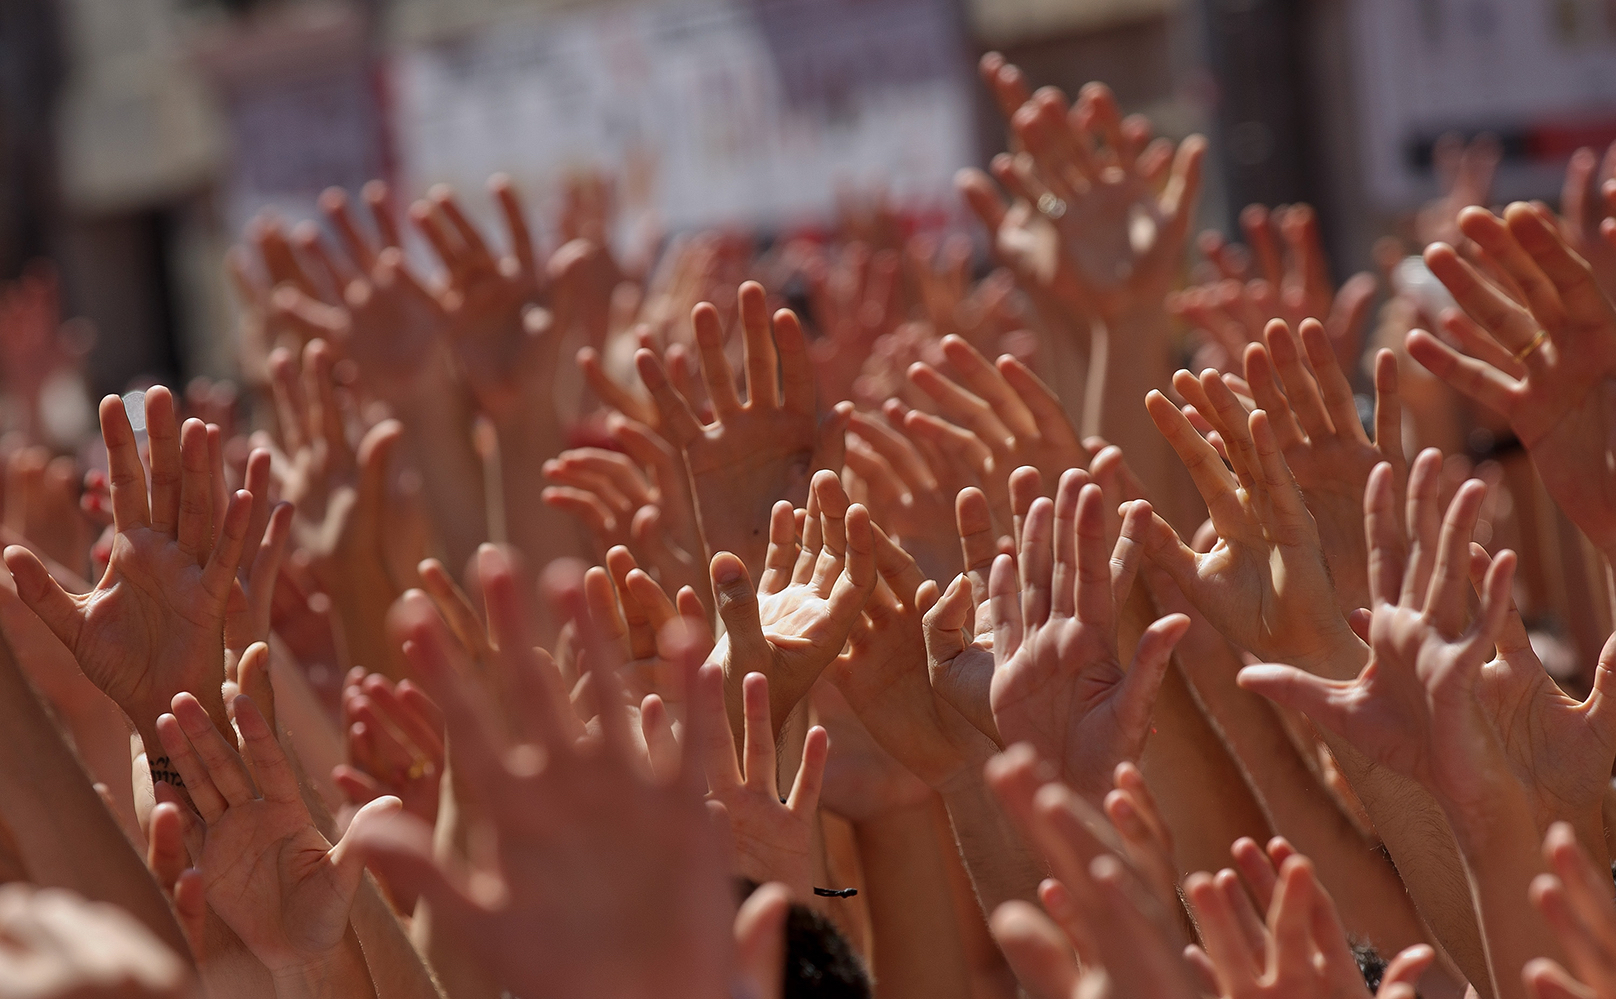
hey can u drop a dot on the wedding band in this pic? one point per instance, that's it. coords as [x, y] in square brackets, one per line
[1051, 206]
[418, 768]
[1536, 342]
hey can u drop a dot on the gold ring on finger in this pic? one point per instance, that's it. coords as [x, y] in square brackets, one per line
[1533, 344]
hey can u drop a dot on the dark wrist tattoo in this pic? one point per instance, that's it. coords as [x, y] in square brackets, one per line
[163, 770]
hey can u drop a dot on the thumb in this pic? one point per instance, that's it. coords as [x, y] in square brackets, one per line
[1289, 687]
[398, 846]
[1602, 699]
[43, 595]
[253, 678]
[738, 607]
[347, 858]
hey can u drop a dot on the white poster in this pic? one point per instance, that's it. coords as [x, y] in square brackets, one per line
[1540, 74]
[707, 113]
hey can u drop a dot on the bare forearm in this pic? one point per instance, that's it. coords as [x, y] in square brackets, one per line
[917, 939]
[64, 832]
[396, 970]
[531, 435]
[1202, 793]
[1001, 866]
[100, 734]
[438, 441]
[1366, 890]
[1131, 355]
[339, 975]
[1499, 844]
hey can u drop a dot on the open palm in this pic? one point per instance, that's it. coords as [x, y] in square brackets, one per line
[268, 873]
[1057, 680]
[153, 625]
[1264, 584]
[807, 602]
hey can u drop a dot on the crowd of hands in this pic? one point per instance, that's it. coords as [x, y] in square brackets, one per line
[540, 622]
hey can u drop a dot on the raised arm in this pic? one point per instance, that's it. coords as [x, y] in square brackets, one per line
[1414, 709]
[1548, 364]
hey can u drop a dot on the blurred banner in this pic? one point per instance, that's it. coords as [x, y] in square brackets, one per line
[299, 96]
[1539, 74]
[713, 113]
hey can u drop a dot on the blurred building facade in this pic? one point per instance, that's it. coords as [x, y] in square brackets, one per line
[137, 137]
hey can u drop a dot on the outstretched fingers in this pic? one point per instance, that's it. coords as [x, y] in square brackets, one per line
[1445, 597]
[126, 476]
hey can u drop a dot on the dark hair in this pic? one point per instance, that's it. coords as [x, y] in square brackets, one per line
[1370, 964]
[820, 962]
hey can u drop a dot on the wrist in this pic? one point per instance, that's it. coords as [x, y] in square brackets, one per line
[1137, 313]
[896, 824]
[339, 972]
[1494, 813]
[145, 712]
[1342, 658]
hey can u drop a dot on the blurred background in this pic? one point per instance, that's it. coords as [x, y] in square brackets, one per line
[139, 137]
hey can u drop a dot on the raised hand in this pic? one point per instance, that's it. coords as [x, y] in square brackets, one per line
[1311, 410]
[626, 603]
[268, 873]
[883, 677]
[1088, 226]
[806, 604]
[1562, 749]
[1584, 207]
[37, 349]
[1100, 908]
[1465, 173]
[604, 489]
[1550, 365]
[394, 738]
[1289, 282]
[982, 312]
[341, 501]
[1299, 950]
[153, 626]
[382, 315]
[1414, 707]
[605, 881]
[1008, 409]
[1057, 681]
[853, 300]
[1264, 584]
[910, 486]
[1574, 898]
[42, 504]
[774, 834]
[756, 452]
[269, 528]
[504, 345]
[638, 497]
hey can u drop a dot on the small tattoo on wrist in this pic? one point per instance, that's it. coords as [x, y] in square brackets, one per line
[163, 770]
